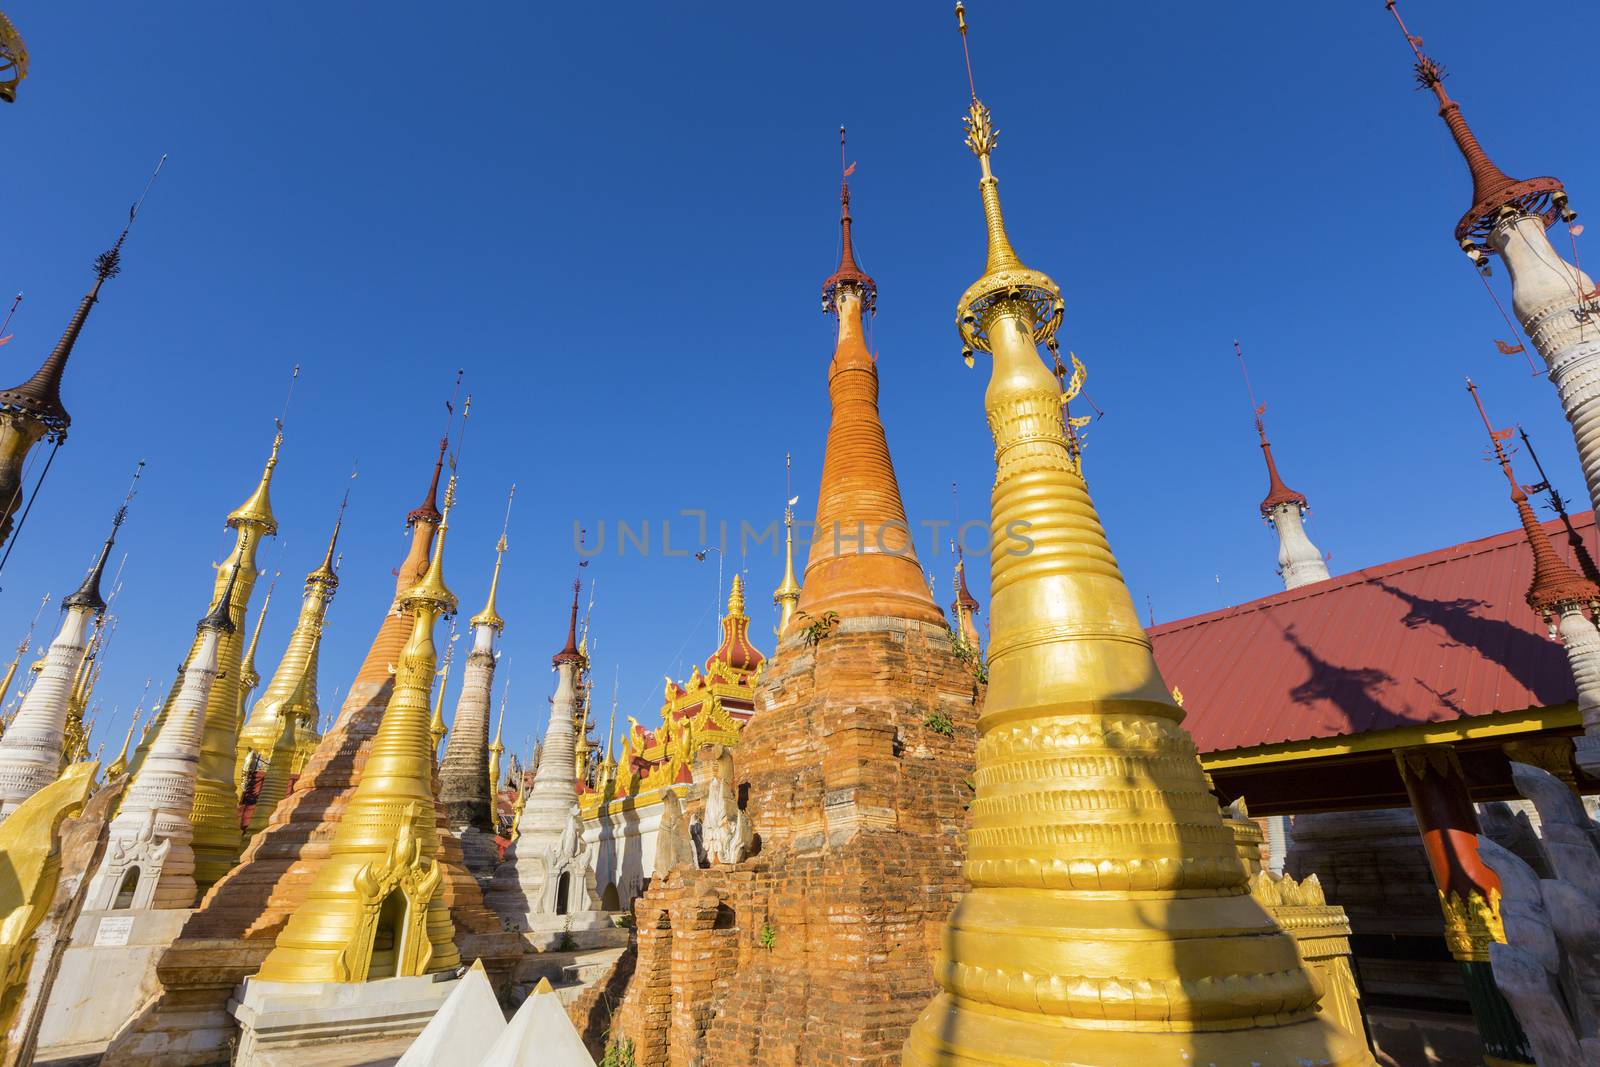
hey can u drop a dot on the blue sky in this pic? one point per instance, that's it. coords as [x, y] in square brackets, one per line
[617, 218]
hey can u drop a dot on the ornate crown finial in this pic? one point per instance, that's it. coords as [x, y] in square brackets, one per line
[1493, 191]
[13, 60]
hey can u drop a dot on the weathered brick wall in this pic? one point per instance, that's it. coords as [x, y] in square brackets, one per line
[818, 950]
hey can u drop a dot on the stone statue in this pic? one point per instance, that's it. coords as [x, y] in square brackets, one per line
[1549, 966]
[674, 846]
[725, 832]
[571, 843]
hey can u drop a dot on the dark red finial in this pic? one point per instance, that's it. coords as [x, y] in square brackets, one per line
[1278, 493]
[1493, 191]
[428, 510]
[570, 653]
[1555, 586]
[848, 273]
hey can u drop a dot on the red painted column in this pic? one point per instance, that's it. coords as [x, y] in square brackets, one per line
[1469, 892]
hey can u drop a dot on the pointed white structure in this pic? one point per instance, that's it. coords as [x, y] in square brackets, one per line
[30, 751]
[540, 1035]
[465, 1028]
[1299, 561]
[149, 857]
[546, 874]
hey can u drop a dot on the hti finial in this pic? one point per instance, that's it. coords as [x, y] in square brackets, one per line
[1278, 493]
[1495, 195]
[1556, 587]
[849, 273]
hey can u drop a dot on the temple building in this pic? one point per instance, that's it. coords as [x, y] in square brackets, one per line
[622, 812]
[32, 749]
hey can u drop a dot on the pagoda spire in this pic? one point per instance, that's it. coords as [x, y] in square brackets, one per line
[1566, 600]
[1494, 193]
[465, 775]
[249, 676]
[735, 650]
[428, 510]
[787, 595]
[1580, 550]
[217, 835]
[34, 742]
[862, 561]
[292, 691]
[525, 883]
[964, 608]
[34, 410]
[1553, 301]
[1284, 509]
[149, 858]
[1109, 920]
[119, 766]
[388, 838]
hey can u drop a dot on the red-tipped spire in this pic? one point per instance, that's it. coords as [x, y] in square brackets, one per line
[1278, 493]
[1555, 585]
[428, 510]
[848, 273]
[1492, 189]
[570, 653]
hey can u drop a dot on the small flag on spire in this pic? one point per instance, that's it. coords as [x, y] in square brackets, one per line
[1506, 348]
[851, 169]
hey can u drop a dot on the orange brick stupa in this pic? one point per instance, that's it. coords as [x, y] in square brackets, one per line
[815, 946]
[235, 927]
[862, 558]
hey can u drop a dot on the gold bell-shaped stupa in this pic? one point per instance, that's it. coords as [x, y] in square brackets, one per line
[376, 909]
[1110, 922]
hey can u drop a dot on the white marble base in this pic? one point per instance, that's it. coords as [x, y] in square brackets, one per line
[100, 986]
[275, 1016]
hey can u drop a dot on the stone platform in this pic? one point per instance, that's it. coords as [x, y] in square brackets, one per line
[280, 1022]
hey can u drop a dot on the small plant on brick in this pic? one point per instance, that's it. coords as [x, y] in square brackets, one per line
[565, 943]
[816, 629]
[619, 1053]
[969, 655]
[624, 920]
[940, 723]
[769, 936]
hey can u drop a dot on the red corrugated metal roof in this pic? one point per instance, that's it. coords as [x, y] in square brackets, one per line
[1435, 637]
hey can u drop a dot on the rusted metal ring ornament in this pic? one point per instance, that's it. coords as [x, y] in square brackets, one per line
[1534, 196]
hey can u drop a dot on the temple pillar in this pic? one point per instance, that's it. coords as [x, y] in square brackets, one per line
[1469, 892]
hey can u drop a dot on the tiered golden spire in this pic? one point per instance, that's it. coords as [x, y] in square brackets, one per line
[436, 727]
[489, 616]
[1109, 921]
[787, 595]
[120, 765]
[496, 750]
[386, 842]
[292, 691]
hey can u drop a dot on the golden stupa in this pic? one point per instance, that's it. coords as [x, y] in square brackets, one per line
[376, 908]
[1110, 921]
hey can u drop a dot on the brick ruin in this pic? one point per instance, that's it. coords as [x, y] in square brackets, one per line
[856, 773]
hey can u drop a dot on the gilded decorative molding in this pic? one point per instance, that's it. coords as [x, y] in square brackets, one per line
[1472, 924]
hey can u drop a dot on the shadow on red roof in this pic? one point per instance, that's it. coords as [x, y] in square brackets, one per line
[1432, 638]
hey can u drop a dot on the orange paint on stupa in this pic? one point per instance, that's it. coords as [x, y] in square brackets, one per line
[862, 560]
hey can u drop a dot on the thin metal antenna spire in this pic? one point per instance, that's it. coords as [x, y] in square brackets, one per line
[450, 405]
[961, 24]
[505, 526]
[17, 300]
[1256, 409]
[294, 376]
